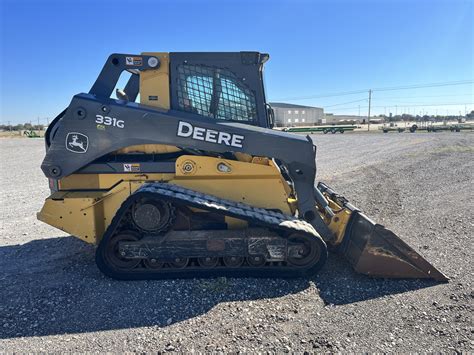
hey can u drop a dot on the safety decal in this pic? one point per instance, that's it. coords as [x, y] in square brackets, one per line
[77, 142]
[131, 167]
[133, 60]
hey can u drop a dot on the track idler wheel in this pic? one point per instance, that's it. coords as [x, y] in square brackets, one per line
[208, 261]
[233, 261]
[179, 262]
[152, 215]
[256, 260]
[112, 254]
[153, 263]
[305, 250]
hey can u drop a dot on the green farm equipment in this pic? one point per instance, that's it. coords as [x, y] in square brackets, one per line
[324, 129]
[31, 134]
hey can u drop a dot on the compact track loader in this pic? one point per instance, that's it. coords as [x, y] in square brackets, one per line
[194, 182]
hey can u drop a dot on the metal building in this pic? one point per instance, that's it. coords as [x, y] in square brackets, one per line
[289, 115]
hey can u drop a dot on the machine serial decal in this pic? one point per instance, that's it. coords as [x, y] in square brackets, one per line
[187, 130]
[109, 121]
[77, 142]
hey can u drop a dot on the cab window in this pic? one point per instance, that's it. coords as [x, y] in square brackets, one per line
[215, 93]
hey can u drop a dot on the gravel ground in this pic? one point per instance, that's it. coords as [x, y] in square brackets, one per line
[53, 298]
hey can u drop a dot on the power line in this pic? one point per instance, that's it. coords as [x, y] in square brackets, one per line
[345, 103]
[405, 87]
[323, 95]
[417, 96]
[432, 85]
[421, 104]
[409, 105]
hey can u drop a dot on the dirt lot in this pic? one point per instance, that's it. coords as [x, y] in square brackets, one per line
[53, 298]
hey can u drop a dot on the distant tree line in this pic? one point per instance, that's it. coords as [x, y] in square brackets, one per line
[21, 127]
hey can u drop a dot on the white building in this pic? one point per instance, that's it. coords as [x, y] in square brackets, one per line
[288, 115]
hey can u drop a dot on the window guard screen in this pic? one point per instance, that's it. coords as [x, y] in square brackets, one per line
[215, 93]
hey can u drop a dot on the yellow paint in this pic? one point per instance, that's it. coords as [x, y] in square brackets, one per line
[87, 214]
[106, 181]
[83, 214]
[338, 223]
[148, 149]
[156, 83]
[254, 184]
[261, 160]
[247, 158]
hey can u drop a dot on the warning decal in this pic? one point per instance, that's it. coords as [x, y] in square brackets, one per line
[133, 60]
[131, 167]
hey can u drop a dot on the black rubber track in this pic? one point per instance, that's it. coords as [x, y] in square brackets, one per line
[256, 216]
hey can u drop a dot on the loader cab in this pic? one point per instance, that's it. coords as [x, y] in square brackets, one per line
[220, 86]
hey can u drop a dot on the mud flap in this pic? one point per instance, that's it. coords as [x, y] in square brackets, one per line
[376, 251]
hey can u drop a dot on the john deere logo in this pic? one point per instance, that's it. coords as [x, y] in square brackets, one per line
[77, 142]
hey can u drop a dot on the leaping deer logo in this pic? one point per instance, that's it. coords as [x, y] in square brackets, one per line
[76, 142]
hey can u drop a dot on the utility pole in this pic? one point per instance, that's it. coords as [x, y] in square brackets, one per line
[368, 116]
[359, 110]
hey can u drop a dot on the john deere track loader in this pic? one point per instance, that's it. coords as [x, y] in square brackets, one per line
[194, 182]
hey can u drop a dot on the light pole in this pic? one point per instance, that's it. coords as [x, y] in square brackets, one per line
[368, 115]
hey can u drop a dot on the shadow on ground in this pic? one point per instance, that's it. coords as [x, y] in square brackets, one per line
[52, 286]
[339, 284]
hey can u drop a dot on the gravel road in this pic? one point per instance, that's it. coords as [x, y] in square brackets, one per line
[53, 298]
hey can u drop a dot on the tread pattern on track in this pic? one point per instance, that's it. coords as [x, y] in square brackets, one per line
[255, 215]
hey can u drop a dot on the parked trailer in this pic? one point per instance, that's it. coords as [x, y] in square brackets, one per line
[452, 128]
[461, 127]
[393, 129]
[439, 128]
[324, 129]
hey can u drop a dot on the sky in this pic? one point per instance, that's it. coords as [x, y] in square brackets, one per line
[52, 50]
